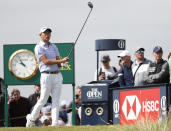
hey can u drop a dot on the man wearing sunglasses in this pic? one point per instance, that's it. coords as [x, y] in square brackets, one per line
[158, 71]
[139, 67]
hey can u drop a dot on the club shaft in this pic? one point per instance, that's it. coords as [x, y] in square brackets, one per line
[79, 34]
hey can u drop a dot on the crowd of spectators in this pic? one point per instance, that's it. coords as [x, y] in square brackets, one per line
[143, 71]
[139, 72]
[19, 107]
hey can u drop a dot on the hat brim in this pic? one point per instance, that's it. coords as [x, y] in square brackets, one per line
[140, 49]
[105, 60]
[49, 30]
[158, 51]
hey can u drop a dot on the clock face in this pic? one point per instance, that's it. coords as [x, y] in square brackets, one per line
[23, 64]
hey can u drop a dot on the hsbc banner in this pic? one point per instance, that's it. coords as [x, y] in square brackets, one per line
[130, 106]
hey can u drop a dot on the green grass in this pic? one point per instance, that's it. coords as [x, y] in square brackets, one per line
[139, 127]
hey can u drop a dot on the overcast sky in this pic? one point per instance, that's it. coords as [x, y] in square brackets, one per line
[141, 22]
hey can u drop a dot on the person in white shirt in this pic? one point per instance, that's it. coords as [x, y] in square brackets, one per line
[140, 67]
[106, 72]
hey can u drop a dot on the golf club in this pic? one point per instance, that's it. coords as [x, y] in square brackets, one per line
[91, 6]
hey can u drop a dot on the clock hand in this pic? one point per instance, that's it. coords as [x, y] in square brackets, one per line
[21, 62]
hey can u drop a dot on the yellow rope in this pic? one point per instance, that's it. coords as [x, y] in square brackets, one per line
[19, 117]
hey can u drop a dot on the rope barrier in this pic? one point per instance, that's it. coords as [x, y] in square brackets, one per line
[19, 117]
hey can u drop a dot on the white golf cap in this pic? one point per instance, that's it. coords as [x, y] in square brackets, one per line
[43, 118]
[124, 53]
[43, 29]
[63, 103]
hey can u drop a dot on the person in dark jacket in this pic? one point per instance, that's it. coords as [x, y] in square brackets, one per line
[19, 107]
[63, 116]
[125, 73]
[2, 102]
[158, 71]
[77, 106]
[34, 97]
[169, 61]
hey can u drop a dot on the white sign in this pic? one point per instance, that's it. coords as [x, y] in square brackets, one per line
[94, 94]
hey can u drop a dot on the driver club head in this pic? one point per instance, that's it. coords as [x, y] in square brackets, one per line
[90, 5]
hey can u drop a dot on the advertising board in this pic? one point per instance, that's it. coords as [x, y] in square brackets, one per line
[131, 106]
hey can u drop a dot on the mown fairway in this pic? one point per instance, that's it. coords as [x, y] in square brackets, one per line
[139, 127]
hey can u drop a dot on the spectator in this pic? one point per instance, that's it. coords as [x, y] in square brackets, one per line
[46, 109]
[45, 120]
[34, 97]
[169, 58]
[19, 107]
[158, 71]
[77, 106]
[2, 102]
[120, 63]
[140, 67]
[63, 117]
[125, 72]
[106, 72]
[45, 112]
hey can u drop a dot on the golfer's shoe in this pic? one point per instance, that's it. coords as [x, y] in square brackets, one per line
[29, 123]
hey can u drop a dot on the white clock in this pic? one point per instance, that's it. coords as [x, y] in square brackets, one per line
[23, 64]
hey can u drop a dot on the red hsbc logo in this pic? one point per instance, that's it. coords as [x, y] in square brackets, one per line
[131, 107]
[139, 103]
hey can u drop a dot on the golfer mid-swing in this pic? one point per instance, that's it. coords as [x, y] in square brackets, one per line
[47, 55]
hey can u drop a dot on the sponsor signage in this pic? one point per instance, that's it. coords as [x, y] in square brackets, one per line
[130, 106]
[93, 93]
[139, 104]
[121, 44]
[110, 44]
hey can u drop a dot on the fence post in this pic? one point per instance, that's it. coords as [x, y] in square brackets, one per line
[6, 106]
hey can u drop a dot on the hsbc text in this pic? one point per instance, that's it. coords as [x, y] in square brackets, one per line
[150, 106]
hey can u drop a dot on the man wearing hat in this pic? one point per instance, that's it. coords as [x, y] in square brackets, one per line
[158, 71]
[106, 72]
[140, 67]
[48, 58]
[125, 72]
